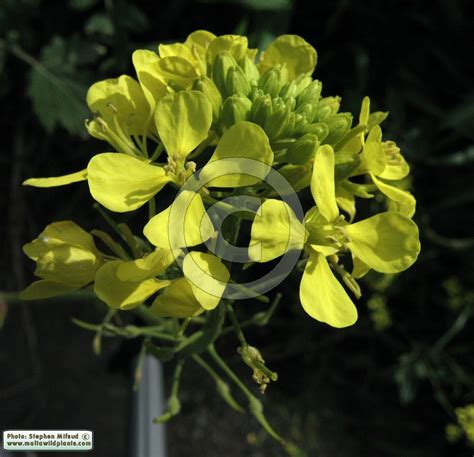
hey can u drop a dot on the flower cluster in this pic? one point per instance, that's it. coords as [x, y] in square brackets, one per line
[214, 103]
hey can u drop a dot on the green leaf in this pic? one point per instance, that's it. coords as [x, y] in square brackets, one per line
[55, 90]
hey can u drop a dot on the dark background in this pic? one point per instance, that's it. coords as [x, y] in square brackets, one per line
[363, 391]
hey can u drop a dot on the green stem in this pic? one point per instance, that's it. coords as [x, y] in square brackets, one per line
[255, 405]
[235, 324]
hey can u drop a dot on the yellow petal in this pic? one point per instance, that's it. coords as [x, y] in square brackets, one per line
[275, 230]
[122, 183]
[42, 289]
[323, 296]
[57, 180]
[359, 268]
[401, 201]
[346, 201]
[177, 300]
[152, 264]
[183, 121]
[372, 156]
[122, 98]
[152, 82]
[59, 233]
[200, 38]
[386, 242]
[243, 140]
[184, 223]
[176, 50]
[69, 265]
[235, 45]
[322, 183]
[123, 294]
[292, 51]
[208, 277]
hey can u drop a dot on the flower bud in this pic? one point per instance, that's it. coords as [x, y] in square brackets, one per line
[250, 70]
[261, 109]
[327, 106]
[222, 63]
[237, 83]
[255, 93]
[307, 110]
[302, 150]
[276, 122]
[300, 124]
[290, 89]
[235, 109]
[299, 176]
[310, 94]
[208, 88]
[338, 126]
[272, 81]
[320, 129]
[302, 81]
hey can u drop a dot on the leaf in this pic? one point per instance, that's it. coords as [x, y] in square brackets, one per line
[55, 90]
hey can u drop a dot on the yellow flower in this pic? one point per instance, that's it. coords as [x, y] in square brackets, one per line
[387, 242]
[66, 259]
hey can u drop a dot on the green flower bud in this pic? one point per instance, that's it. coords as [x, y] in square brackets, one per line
[327, 106]
[237, 82]
[310, 94]
[235, 109]
[307, 110]
[276, 122]
[290, 89]
[338, 126]
[300, 124]
[272, 81]
[290, 124]
[299, 176]
[250, 70]
[290, 102]
[302, 150]
[320, 129]
[302, 81]
[208, 88]
[223, 62]
[255, 93]
[261, 109]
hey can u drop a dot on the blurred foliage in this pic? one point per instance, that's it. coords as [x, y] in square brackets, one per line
[396, 383]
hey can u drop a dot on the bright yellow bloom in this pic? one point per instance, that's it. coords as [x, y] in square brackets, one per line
[386, 242]
[66, 259]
